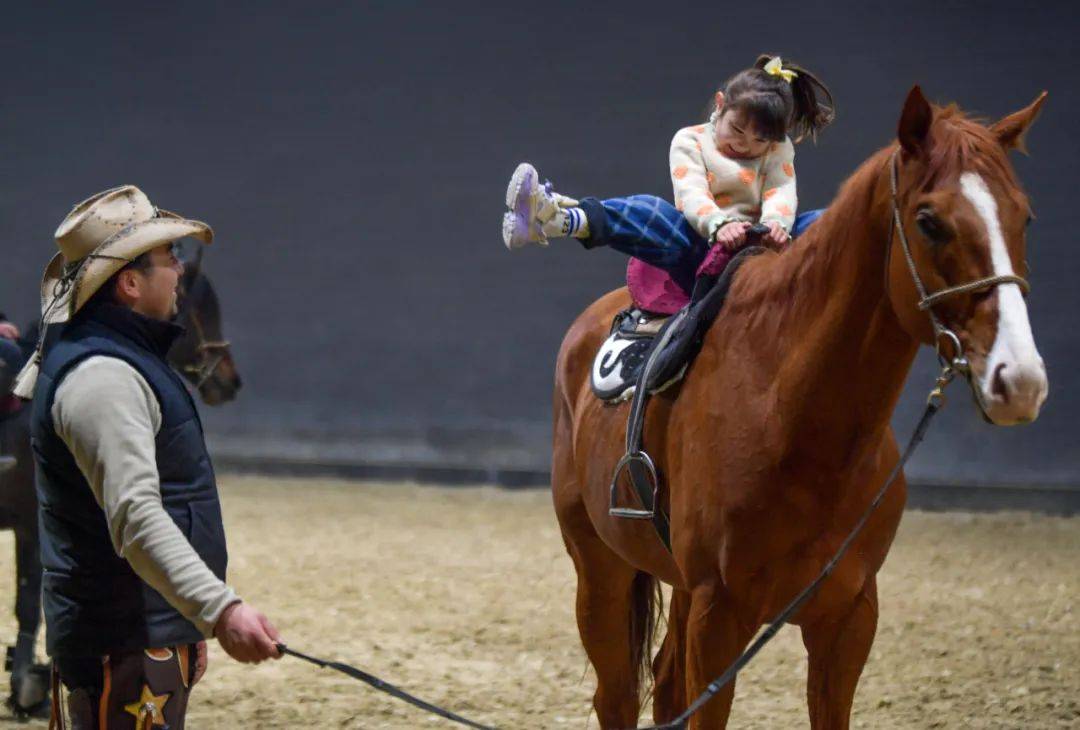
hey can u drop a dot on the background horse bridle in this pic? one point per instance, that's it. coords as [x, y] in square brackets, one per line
[211, 352]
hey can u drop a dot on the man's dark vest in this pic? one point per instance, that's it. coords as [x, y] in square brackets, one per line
[94, 603]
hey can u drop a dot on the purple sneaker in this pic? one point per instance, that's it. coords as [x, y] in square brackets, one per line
[519, 223]
[532, 209]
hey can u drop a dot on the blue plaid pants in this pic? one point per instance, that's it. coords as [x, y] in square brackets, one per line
[651, 229]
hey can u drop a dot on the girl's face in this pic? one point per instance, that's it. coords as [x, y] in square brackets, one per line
[736, 136]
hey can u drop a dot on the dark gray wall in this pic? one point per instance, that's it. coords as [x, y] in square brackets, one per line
[352, 159]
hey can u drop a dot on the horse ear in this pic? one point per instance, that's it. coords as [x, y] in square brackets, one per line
[1012, 129]
[915, 122]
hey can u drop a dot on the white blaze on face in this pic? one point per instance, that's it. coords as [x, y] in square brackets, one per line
[1014, 383]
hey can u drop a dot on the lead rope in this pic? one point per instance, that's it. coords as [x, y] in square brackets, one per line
[384, 687]
[934, 402]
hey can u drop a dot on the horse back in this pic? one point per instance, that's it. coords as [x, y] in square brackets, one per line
[584, 338]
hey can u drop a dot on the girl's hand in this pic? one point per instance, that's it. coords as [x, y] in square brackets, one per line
[777, 236]
[9, 331]
[731, 235]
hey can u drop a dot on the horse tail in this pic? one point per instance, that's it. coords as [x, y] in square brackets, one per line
[646, 611]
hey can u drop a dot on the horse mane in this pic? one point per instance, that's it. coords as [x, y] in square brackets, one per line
[791, 280]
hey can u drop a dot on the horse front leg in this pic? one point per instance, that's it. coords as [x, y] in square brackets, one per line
[838, 648]
[715, 638]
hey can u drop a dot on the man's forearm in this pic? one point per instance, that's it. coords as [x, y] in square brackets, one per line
[160, 554]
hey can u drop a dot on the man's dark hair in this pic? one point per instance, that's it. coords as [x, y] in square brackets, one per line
[107, 291]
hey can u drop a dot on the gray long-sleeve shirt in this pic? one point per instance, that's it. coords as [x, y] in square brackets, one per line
[108, 416]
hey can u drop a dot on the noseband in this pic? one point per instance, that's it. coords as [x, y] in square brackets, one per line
[927, 300]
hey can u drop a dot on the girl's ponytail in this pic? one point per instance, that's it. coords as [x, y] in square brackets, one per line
[813, 107]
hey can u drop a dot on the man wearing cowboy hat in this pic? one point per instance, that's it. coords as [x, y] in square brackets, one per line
[132, 538]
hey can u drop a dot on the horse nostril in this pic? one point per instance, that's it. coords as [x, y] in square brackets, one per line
[997, 386]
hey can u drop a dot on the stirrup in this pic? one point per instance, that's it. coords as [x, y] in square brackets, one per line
[627, 462]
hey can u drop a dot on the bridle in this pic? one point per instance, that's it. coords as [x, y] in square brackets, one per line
[211, 352]
[958, 362]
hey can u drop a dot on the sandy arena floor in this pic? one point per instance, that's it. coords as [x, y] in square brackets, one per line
[465, 596]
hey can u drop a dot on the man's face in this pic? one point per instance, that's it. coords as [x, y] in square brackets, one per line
[157, 285]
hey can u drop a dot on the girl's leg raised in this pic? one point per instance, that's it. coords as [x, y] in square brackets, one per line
[643, 226]
[648, 228]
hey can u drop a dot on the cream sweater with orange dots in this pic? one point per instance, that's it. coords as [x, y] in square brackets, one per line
[711, 189]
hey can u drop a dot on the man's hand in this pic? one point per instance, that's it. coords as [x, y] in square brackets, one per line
[201, 660]
[776, 237]
[246, 635]
[8, 330]
[731, 235]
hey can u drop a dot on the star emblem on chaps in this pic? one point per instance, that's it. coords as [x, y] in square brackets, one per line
[150, 703]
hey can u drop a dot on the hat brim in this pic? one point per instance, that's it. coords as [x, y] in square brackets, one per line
[61, 299]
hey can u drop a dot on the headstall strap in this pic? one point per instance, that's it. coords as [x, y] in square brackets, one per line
[928, 300]
[211, 352]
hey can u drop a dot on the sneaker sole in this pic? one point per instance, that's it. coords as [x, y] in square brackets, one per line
[519, 194]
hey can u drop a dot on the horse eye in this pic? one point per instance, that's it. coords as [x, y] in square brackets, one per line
[931, 226]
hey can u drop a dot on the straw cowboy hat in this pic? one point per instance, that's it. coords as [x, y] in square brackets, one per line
[100, 236]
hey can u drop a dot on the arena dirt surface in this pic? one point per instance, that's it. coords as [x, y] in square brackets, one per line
[465, 596]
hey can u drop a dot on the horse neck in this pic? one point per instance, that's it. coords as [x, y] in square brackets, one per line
[840, 355]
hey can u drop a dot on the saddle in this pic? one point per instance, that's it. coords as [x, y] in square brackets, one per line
[636, 334]
[620, 359]
[645, 354]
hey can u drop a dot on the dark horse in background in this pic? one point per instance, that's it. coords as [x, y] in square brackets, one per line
[202, 355]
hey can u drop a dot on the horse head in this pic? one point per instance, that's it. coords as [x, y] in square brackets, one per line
[965, 216]
[202, 354]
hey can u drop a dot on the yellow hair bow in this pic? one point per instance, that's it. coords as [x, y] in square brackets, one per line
[776, 68]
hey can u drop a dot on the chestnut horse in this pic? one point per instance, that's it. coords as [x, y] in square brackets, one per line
[779, 436]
